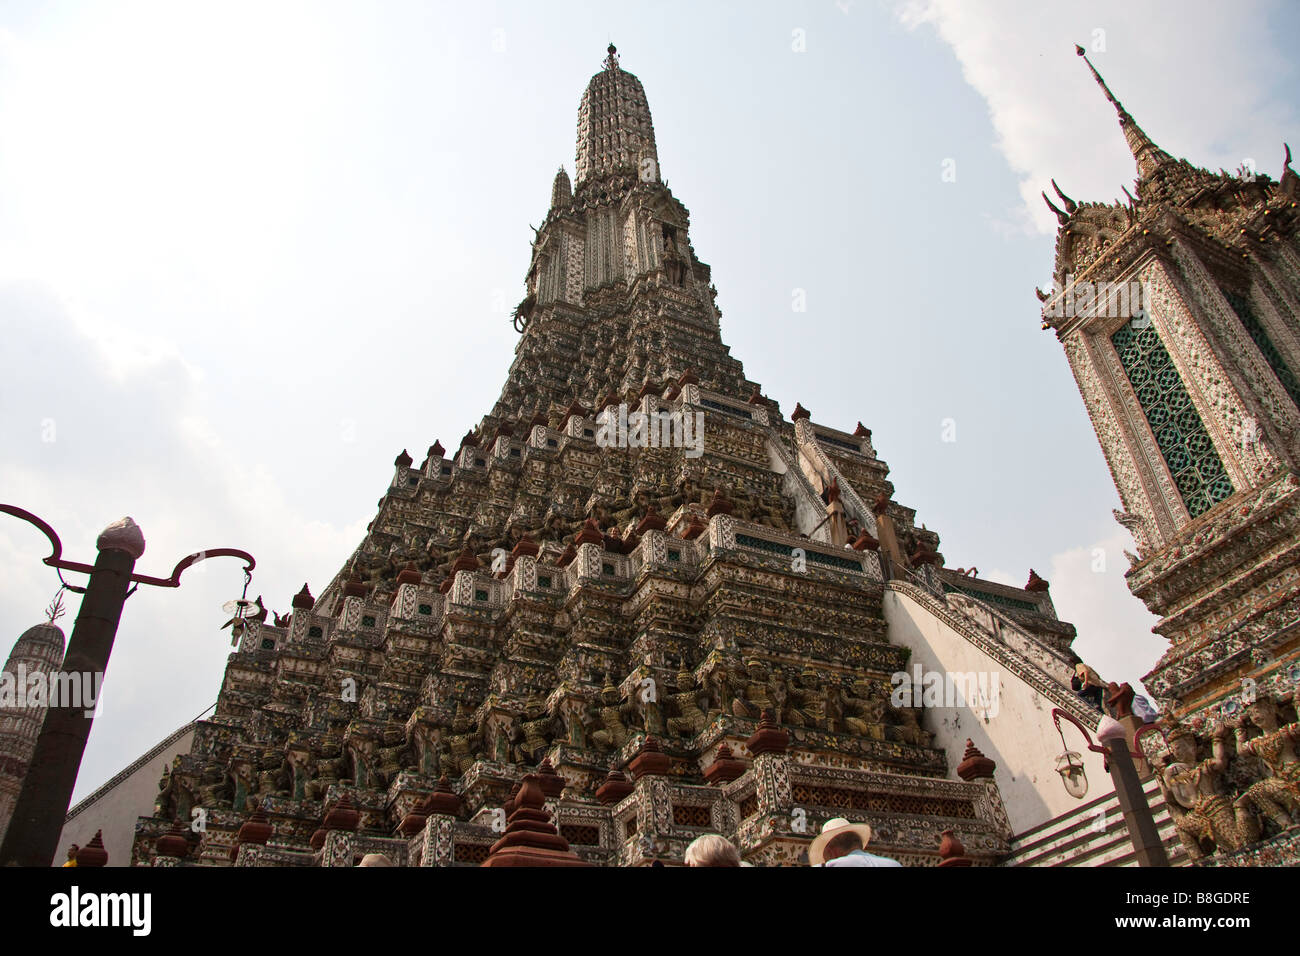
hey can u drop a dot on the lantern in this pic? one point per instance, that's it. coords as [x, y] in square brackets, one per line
[1070, 766]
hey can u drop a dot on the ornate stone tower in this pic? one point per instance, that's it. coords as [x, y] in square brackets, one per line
[38, 652]
[634, 577]
[1179, 312]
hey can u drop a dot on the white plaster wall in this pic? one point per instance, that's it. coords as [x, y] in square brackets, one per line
[1020, 738]
[115, 811]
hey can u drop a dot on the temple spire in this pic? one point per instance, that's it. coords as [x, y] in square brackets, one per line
[615, 132]
[1148, 155]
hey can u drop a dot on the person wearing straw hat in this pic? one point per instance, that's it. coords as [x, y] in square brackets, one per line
[842, 843]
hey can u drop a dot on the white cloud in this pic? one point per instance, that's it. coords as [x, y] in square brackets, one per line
[130, 435]
[1052, 120]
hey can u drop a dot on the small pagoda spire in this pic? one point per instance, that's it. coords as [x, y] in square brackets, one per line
[611, 61]
[1148, 155]
[93, 853]
[303, 599]
[974, 765]
[531, 838]
[561, 190]
[173, 843]
[615, 788]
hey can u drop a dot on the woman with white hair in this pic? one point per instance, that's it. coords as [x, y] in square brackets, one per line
[712, 850]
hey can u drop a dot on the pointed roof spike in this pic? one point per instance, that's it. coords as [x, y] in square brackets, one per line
[1129, 196]
[1148, 155]
[1289, 183]
[1061, 217]
[1070, 204]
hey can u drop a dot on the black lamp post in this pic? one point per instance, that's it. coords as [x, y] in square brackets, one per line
[39, 814]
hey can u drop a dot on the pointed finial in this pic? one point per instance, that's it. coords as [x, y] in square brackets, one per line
[611, 61]
[1148, 155]
[55, 610]
[1070, 204]
[1061, 217]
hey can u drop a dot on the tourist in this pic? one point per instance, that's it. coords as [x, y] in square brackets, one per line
[375, 859]
[712, 850]
[1144, 710]
[1088, 685]
[72, 855]
[842, 843]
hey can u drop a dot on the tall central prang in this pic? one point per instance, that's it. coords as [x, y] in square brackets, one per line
[616, 299]
[676, 638]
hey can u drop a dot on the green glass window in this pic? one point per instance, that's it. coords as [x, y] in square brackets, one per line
[1241, 305]
[1178, 429]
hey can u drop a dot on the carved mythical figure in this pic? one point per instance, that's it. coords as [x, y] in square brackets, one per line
[691, 718]
[809, 699]
[392, 755]
[214, 786]
[908, 729]
[611, 714]
[330, 768]
[273, 776]
[537, 729]
[864, 710]
[1276, 796]
[465, 739]
[1203, 816]
[757, 694]
[175, 793]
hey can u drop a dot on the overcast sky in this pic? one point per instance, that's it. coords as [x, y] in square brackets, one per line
[250, 251]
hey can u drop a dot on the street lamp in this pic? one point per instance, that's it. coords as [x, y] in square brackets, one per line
[42, 805]
[1128, 787]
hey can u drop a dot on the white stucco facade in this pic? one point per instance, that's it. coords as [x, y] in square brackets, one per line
[1017, 733]
[115, 806]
